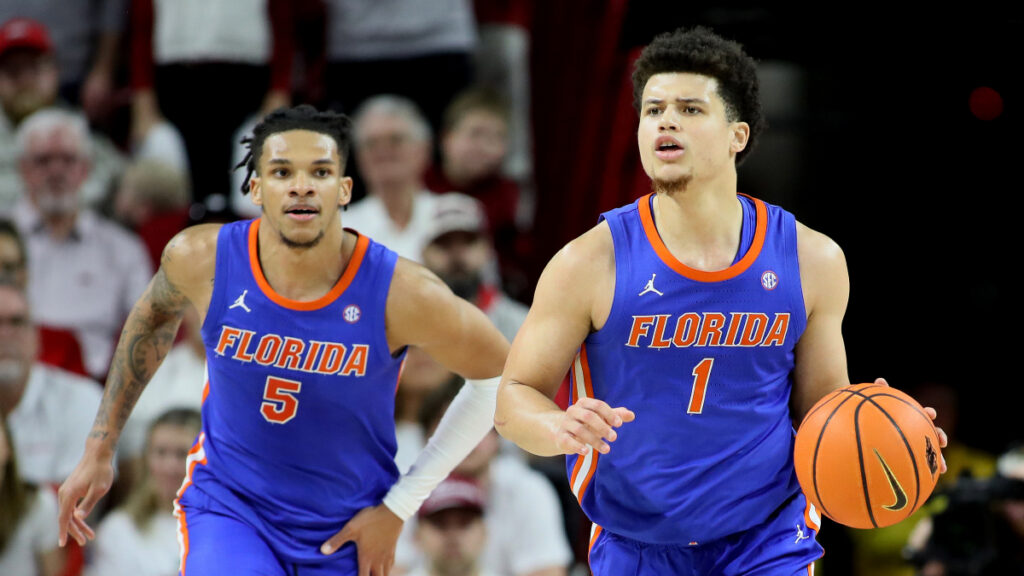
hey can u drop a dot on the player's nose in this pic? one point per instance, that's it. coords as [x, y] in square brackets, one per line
[302, 185]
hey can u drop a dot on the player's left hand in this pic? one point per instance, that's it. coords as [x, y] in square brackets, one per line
[943, 439]
[374, 531]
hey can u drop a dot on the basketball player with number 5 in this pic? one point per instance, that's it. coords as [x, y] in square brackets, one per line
[306, 327]
[697, 324]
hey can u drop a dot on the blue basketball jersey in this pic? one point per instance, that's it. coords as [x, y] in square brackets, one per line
[298, 414]
[705, 361]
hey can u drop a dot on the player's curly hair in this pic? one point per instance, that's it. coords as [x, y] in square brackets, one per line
[301, 117]
[699, 50]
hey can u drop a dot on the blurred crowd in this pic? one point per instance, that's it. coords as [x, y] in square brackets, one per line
[120, 124]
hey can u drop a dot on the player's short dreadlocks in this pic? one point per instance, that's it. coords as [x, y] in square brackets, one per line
[302, 117]
[699, 50]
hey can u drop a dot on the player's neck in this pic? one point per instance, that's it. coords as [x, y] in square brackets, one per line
[700, 225]
[305, 274]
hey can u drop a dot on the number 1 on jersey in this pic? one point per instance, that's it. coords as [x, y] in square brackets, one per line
[701, 375]
[279, 402]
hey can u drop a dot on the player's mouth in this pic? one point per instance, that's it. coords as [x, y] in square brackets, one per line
[667, 148]
[302, 212]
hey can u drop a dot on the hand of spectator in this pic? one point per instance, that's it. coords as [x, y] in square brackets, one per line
[275, 99]
[145, 114]
[89, 481]
[375, 533]
[97, 92]
[590, 423]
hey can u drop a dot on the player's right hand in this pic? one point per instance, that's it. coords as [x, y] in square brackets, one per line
[90, 480]
[590, 424]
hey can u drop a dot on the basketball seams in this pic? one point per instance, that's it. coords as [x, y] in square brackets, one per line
[817, 447]
[860, 460]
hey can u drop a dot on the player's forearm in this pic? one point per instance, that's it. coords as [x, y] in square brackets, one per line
[147, 336]
[142, 347]
[464, 424]
[527, 417]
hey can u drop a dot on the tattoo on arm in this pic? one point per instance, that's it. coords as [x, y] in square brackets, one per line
[147, 336]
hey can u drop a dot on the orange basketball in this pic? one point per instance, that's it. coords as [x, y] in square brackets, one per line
[867, 456]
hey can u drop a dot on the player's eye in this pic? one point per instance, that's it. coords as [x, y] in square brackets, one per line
[280, 172]
[692, 110]
[653, 111]
[322, 172]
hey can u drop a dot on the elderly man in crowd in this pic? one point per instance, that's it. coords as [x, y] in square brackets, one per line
[392, 148]
[85, 272]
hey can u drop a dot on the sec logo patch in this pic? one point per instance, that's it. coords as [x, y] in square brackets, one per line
[352, 314]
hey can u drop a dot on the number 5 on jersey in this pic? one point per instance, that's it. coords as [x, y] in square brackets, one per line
[279, 401]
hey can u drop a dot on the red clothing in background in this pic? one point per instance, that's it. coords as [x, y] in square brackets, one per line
[60, 348]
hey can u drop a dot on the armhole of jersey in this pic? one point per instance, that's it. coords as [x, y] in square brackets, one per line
[384, 263]
[221, 271]
[792, 256]
[620, 248]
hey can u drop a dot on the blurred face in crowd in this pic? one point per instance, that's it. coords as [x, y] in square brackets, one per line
[459, 258]
[12, 262]
[301, 185]
[475, 147]
[165, 456]
[18, 339]
[28, 82]
[389, 152]
[128, 209]
[452, 540]
[54, 165]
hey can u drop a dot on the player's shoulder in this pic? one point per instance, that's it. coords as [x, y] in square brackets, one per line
[412, 279]
[195, 244]
[589, 253]
[816, 250]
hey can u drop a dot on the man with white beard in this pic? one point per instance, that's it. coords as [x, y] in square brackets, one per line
[85, 272]
[49, 410]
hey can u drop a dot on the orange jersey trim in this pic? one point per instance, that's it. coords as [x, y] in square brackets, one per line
[362, 243]
[586, 465]
[195, 456]
[595, 531]
[647, 218]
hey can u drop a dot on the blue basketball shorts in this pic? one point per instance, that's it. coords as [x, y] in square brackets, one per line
[784, 545]
[214, 542]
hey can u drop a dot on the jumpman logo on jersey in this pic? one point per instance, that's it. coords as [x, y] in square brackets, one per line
[800, 534]
[240, 302]
[650, 287]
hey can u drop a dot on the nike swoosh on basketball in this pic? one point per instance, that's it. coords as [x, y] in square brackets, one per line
[897, 490]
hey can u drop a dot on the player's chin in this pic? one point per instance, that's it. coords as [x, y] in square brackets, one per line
[672, 180]
[302, 239]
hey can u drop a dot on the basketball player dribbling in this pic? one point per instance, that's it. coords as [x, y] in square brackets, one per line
[306, 327]
[697, 325]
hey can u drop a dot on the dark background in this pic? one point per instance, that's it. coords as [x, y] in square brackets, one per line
[884, 156]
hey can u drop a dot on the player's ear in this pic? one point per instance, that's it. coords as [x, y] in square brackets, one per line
[740, 137]
[345, 191]
[255, 191]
